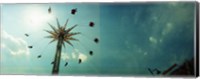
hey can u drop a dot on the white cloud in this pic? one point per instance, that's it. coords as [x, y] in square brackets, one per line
[155, 18]
[167, 29]
[15, 45]
[65, 56]
[145, 53]
[2, 46]
[82, 57]
[152, 40]
[74, 55]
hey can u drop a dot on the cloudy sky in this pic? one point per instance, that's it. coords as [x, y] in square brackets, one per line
[133, 37]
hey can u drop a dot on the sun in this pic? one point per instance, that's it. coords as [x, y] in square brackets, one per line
[36, 17]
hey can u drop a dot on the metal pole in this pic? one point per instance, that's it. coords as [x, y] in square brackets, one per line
[57, 56]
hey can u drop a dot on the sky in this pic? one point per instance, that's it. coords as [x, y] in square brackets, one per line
[132, 37]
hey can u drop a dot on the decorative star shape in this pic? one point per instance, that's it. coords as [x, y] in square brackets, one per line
[62, 31]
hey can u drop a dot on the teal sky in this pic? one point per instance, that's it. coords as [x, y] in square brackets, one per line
[133, 37]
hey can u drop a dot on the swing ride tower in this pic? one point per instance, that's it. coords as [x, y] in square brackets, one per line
[61, 35]
[57, 55]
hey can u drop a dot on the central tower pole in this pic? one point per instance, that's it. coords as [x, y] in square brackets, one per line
[57, 55]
